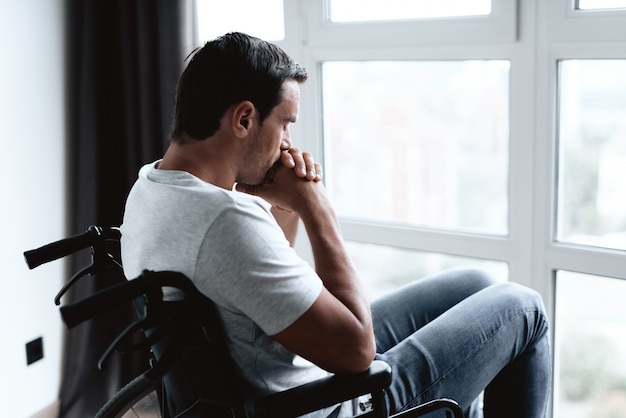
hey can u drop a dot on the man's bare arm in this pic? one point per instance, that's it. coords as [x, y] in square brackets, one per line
[336, 332]
[304, 167]
[288, 222]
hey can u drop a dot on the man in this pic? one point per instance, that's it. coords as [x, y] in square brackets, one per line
[197, 211]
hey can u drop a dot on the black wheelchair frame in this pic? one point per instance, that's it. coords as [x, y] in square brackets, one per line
[191, 374]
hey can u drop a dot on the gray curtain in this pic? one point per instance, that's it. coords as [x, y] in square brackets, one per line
[123, 60]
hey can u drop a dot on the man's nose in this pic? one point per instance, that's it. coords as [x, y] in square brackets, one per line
[286, 142]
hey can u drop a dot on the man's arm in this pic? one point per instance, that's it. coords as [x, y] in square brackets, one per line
[305, 167]
[288, 222]
[336, 331]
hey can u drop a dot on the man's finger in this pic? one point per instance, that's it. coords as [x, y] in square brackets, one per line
[287, 159]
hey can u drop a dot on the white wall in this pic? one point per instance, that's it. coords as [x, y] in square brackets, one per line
[32, 202]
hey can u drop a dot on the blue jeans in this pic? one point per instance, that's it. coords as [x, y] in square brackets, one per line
[458, 334]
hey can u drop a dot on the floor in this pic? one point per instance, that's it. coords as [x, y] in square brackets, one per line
[51, 411]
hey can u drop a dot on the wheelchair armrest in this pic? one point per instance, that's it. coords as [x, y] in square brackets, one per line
[324, 392]
[452, 409]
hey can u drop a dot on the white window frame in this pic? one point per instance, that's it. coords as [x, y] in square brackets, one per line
[537, 34]
[498, 26]
[569, 35]
[549, 255]
[532, 181]
[534, 35]
[325, 41]
[570, 25]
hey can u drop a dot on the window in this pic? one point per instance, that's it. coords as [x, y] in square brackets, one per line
[592, 153]
[416, 139]
[400, 266]
[361, 11]
[489, 133]
[585, 228]
[600, 4]
[427, 155]
[590, 345]
[351, 23]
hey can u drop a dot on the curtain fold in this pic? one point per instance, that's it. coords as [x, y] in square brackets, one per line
[123, 60]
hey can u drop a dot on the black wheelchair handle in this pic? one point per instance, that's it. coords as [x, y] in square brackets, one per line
[70, 245]
[149, 283]
[102, 301]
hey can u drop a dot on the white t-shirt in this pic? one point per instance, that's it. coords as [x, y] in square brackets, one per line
[230, 246]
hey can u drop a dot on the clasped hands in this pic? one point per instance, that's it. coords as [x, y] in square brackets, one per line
[301, 162]
[279, 188]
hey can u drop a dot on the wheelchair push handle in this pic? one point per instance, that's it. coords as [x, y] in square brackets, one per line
[149, 284]
[70, 245]
[103, 301]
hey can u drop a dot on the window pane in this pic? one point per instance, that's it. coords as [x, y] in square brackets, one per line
[600, 4]
[590, 346]
[217, 18]
[372, 10]
[383, 269]
[592, 153]
[422, 143]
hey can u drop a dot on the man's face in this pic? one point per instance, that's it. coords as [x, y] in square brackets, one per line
[273, 135]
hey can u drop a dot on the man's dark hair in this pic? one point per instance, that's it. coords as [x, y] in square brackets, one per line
[230, 69]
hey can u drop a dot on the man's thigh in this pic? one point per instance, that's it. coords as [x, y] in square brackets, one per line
[401, 313]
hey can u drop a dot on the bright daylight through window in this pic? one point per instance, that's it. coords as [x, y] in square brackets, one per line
[372, 10]
[590, 346]
[439, 155]
[592, 153]
[600, 4]
[400, 266]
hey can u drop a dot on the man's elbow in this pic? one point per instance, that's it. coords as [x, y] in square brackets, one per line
[359, 357]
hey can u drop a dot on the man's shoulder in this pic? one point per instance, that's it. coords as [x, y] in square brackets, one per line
[181, 186]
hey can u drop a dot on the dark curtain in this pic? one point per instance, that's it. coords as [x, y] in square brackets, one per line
[123, 61]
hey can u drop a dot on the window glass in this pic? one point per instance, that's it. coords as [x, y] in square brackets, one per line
[419, 142]
[600, 4]
[373, 10]
[217, 18]
[592, 153]
[590, 346]
[383, 269]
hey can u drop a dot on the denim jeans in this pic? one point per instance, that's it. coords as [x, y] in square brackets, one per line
[458, 334]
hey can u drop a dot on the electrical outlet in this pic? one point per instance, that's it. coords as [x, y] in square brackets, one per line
[34, 351]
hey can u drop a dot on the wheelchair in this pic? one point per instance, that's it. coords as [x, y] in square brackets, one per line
[191, 373]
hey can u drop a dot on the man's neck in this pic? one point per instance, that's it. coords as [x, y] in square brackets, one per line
[199, 159]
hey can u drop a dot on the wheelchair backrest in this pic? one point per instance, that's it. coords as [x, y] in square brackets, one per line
[197, 372]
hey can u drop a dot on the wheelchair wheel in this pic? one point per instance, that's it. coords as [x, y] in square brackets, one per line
[138, 399]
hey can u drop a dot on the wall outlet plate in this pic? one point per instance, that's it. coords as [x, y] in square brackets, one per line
[34, 351]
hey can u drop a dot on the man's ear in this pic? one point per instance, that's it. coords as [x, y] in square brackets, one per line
[243, 118]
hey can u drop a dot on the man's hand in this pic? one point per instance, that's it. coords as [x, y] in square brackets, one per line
[281, 182]
[302, 163]
[283, 185]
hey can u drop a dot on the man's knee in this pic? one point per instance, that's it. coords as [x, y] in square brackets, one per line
[477, 278]
[525, 298]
